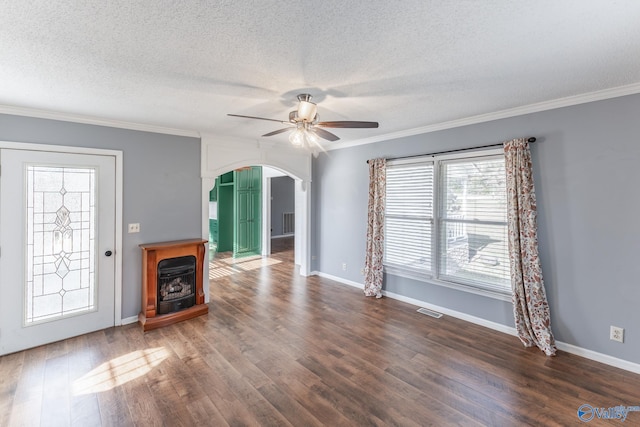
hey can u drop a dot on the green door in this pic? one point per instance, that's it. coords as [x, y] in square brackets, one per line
[242, 225]
[226, 208]
[255, 225]
[248, 211]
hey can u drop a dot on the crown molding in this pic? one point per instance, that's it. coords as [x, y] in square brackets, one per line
[90, 120]
[502, 114]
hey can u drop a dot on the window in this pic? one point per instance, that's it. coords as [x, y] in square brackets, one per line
[446, 221]
[409, 217]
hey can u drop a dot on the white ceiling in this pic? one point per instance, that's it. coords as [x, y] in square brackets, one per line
[407, 64]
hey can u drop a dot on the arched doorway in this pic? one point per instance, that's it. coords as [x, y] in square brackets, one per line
[219, 157]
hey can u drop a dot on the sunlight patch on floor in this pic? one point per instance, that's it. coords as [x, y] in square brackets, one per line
[240, 260]
[228, 266]
[119, 371]
[257, 263]
[218, 272]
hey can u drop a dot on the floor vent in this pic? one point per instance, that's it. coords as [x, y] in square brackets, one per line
[430, 312]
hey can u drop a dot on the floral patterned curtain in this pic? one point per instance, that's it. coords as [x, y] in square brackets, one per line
[530, 306]
[375, 228]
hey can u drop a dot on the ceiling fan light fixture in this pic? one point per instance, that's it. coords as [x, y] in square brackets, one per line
[296, 138]
[312, 138]
[307, 111]
[313, 142]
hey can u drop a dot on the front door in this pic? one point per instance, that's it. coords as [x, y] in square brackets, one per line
[57, 236]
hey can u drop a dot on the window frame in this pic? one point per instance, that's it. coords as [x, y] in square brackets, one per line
[434, 276]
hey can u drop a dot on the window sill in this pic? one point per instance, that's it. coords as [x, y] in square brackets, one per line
[424, 276]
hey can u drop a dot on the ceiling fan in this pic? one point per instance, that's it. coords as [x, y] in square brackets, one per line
[305, 125]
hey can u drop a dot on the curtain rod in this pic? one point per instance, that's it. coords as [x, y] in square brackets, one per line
[531, 139]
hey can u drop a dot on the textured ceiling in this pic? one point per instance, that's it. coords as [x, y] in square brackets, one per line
[408, 64]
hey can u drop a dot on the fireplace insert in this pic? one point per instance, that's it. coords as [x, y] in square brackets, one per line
[176, 284]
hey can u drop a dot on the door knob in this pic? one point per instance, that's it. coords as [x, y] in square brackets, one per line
[108, 253]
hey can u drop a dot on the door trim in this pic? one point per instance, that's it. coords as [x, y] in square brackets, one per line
[117, 315]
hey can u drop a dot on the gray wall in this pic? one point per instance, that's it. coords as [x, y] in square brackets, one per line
[586, 171]
[162, 184]
[282, 200]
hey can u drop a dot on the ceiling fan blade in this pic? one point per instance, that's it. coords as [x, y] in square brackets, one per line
[275, 132]
[348, 124]
[257, 118]
[325, 134]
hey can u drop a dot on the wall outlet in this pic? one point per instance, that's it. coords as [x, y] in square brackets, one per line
[344, 266]
[362, 271]
[616, 334]
[134, 228]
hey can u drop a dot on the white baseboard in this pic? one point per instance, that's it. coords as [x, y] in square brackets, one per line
[338, 279]
[569, 348]
[282, 236]
[599, 357]
[129, 320]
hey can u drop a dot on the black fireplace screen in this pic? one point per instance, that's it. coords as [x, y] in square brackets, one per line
[176, 284]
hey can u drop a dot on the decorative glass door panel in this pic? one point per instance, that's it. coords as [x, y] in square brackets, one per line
[60, 242]
[57, 234]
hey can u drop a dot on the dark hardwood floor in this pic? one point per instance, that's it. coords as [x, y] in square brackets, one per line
[279, 349]
[282, 244]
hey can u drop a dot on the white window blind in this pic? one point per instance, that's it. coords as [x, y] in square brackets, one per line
[473, 223]
[466, 244]
[409, 216]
